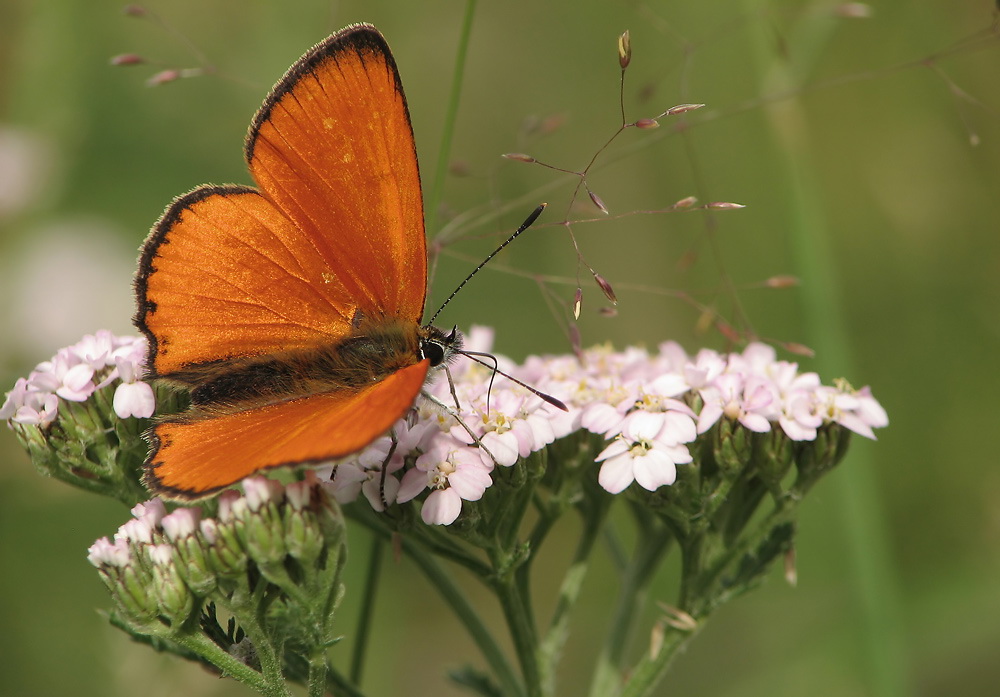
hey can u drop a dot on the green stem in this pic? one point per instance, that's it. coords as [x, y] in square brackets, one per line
[692, 579]
[248, 607]
[552, 644]
[230, 665]
[448, 131]
[337, 684]
[367, 609]
[430, 537]
[881, 631]
[651, 668]
[631, 596]
[510, 686]
[700, 599]
[522, 631]
[317, 672]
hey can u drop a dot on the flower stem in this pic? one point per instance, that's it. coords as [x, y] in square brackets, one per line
[367, 609]
[249, 607]
[448, 131]
[880, 630]
[509, 683]
[230, 665]
[317, 672]
[653, 544]
[651, 668]
[522, 631]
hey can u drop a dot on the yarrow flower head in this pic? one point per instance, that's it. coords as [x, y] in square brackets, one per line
[77, 372]
[80, 414]
[164, 569]
[652, 409]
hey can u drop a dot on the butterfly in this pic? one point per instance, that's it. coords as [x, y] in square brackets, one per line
[291, 311]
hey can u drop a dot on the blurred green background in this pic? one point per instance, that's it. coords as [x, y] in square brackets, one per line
[870, 144]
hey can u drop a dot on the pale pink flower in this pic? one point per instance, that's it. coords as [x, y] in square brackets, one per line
[637, 399]
[706, 367]
[298, 494]
[747, 400]
[137, 530]
[646, 451]
[800, 415]
[151, 511]
[37, 409]
[106, 553]
[96, 349]
[181, 523]
[854, 410]
[260, 491]
[132, 397]
[454, 472]
[14, 399]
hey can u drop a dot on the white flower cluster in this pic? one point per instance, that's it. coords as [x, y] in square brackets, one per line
[638, 400]
[76, 372]
[650, 406]
[154, 530]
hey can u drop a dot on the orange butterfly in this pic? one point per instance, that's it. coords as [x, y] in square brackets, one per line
[292, 311]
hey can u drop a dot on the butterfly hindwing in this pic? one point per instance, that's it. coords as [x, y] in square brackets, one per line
[195, 457]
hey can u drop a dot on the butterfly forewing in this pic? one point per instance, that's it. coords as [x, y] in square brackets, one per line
[333, 147]
[337, 227]
[226, 274]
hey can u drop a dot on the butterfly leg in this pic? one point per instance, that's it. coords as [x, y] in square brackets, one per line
[385, 468]
[453, 413]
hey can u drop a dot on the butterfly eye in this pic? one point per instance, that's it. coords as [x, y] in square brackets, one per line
[432, 351]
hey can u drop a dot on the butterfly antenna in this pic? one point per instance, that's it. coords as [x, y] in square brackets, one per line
[524, 226]
[477, 356]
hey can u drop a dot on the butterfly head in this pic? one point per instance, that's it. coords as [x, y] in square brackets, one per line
[438, 347]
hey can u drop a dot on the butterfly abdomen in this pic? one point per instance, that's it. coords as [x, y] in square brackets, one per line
[358, 361]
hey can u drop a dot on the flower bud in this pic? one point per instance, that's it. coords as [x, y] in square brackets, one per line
[731, 447]
[798, 349]
[226, 554]
[175, 599]
[519, 157]
[782, 282]
[264, 531]
[180, 528]
[624, 50]
[773, 458]
[596, 200]
[820, 456]
[163, 77]
[609, 292]
[682, 109]
[853, 10]
[303, 534]
[131, 587]
[127, 59]
[791, 572]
